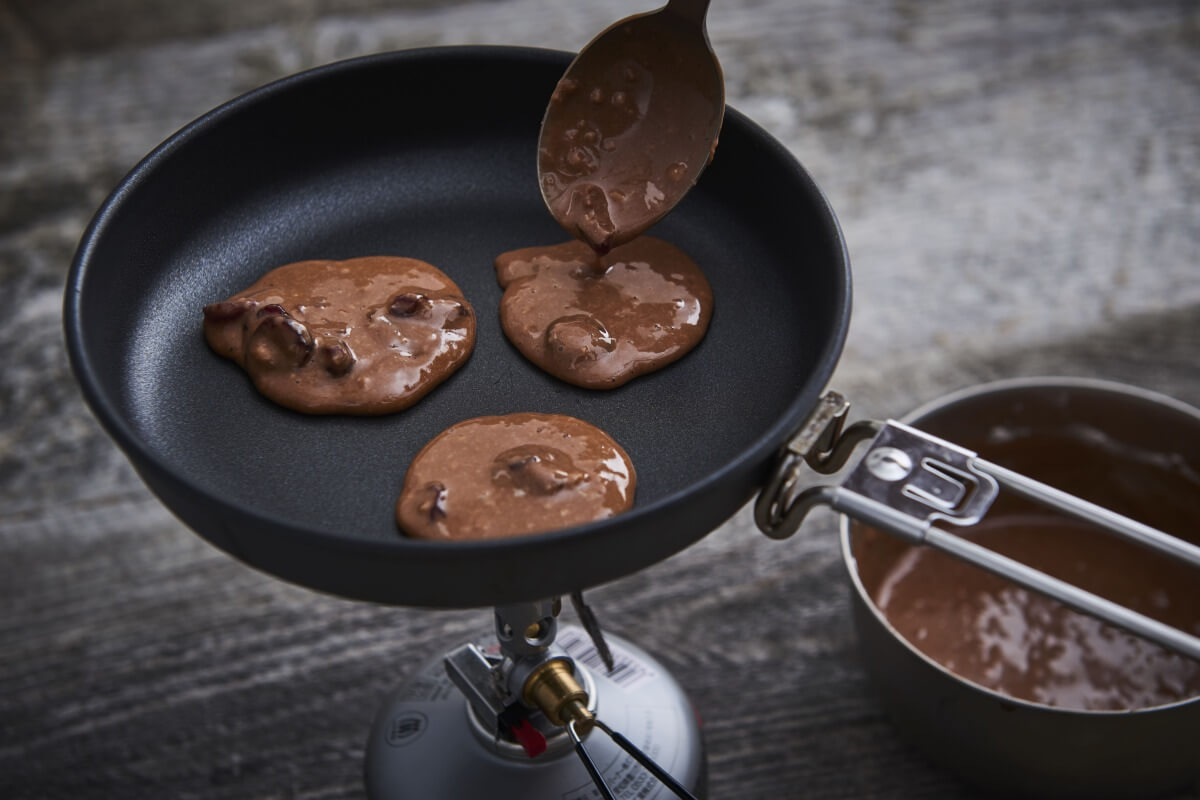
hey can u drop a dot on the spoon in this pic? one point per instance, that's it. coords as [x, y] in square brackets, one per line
[631, 125]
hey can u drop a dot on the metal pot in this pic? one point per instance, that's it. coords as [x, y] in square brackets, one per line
[1004, 744]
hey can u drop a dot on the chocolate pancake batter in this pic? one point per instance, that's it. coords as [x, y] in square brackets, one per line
[628, 130]
[647, 306]
[365, 336]
[1020, 643]
[493, 477]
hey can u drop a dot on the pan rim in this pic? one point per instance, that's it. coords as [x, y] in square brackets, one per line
[105, 406]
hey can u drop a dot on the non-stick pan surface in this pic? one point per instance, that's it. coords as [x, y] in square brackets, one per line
[431, 154]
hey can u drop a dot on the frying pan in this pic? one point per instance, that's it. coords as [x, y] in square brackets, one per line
[431, 154]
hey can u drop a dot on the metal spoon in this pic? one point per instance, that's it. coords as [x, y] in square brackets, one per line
[631, 125]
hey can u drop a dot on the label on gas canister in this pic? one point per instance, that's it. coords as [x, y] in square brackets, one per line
[627, 670]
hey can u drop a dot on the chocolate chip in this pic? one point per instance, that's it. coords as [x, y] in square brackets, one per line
[541, 472]
[577, 339]
[565, 88]
[337, 358]
[580, 161]
[273, 310]
[521, 462]
[434, 504]
[226, 310]
[595, 223]
[279, 342]
[409, 304]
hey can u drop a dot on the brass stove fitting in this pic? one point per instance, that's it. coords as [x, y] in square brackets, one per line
[553, 690]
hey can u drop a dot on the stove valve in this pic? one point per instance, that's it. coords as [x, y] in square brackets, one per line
[552, 689]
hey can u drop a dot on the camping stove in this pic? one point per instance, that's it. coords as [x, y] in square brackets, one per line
[537, 714]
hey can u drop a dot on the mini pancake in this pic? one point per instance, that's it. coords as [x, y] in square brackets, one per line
[513, 475]
[599, 322]
[364, 336]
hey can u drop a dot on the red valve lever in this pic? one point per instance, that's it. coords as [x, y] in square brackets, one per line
[529, 738]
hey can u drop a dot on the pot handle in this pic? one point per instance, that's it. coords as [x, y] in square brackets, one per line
[908, 480]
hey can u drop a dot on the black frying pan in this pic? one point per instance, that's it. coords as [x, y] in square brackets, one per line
[431, 154]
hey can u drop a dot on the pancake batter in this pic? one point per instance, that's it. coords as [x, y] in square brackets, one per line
[647, 305]
[365, 336]
[513, 475]
[1023, 644]
[627, 131]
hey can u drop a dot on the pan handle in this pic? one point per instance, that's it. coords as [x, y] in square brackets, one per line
[908, 480]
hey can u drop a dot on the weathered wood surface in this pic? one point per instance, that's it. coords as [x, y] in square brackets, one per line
[1019, 184]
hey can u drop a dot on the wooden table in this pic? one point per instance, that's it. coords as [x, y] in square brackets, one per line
[1019, 184]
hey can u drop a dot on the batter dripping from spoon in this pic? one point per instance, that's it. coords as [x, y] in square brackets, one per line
[626, 134]
[631, 125]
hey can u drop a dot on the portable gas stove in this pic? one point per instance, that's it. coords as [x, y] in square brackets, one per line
[508, 718]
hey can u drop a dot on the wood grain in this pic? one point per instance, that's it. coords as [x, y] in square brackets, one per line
[1019, 185]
